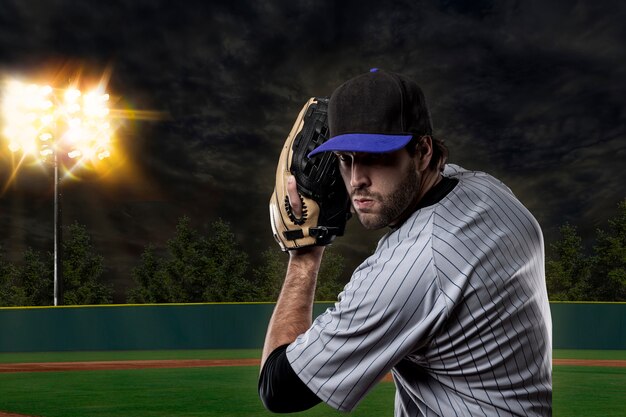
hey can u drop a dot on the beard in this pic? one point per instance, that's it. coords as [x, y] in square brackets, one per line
[394, 205]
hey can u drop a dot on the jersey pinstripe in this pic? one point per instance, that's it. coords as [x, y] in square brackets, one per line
[453, 303]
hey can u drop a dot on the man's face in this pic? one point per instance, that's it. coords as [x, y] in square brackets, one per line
[382, 187]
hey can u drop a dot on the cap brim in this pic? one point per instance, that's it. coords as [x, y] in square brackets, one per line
[363, 142]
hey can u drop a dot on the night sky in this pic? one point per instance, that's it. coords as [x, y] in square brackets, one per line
[532, 92]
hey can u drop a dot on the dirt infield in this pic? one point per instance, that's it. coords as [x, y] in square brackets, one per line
[117, 365]
[611, 363]
[198, 363]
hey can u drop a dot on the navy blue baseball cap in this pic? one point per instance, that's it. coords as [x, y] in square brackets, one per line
[376, 112]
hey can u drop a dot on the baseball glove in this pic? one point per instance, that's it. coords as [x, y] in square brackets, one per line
[325, 201]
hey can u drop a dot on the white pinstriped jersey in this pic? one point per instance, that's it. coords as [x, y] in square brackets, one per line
[453, 303]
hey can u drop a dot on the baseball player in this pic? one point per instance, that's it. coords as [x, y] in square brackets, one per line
[453, 301]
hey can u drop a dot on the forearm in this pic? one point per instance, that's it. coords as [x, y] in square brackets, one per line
[294, 309]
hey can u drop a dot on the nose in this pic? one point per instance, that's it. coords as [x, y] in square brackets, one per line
[359, 177]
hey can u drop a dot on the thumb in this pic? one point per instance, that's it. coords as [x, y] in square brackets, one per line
[294, 197]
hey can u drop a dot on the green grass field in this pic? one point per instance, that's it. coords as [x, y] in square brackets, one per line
[231, 391]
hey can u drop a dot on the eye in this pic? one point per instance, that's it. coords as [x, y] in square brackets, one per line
[343, 157]
[380, 159]
[374, 158]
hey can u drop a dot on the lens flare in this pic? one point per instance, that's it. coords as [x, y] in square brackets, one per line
[75, 125]
[40, 122]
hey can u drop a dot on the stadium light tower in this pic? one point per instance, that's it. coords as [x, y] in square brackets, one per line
[53, 125]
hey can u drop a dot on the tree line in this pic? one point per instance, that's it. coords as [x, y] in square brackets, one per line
[212, 267]
[191, 267]
[573, 273]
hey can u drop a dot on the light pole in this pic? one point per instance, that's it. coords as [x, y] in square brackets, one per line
[54, 125]
[58, 236]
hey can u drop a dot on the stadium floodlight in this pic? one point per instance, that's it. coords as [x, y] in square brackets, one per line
[53, 125]
[43, 122]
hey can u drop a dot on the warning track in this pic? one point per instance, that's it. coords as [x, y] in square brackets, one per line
[200, 363]
[119, 365]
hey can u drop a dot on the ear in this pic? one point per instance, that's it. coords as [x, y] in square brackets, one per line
[424, 152]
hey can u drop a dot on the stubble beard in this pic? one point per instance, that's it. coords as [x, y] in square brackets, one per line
[393, 205]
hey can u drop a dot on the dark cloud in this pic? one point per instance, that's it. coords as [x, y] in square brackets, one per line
[531, 92]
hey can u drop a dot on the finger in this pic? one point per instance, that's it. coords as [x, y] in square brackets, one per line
[294, 197]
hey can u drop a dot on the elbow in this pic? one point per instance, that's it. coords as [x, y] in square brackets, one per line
[280, 389]
[271, 401]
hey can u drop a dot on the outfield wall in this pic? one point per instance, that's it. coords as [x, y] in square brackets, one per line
[135, 327]
[588, 325]
[235, 326]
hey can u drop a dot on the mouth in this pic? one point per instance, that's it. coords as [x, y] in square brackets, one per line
[362, 203]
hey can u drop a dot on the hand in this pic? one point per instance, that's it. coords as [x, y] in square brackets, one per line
[294, 197]
[296, 208]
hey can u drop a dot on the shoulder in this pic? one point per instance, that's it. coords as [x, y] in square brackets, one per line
[402, 259]
[476, 178]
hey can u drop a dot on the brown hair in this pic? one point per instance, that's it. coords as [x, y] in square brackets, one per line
[440, 151]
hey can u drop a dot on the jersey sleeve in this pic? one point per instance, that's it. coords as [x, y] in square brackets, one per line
[280, 389]
[391, 307]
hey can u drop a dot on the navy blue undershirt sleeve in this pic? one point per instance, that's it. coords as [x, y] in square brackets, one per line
[280, 388]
